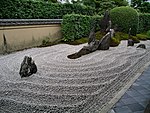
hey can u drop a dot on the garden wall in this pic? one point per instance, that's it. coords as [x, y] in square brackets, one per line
[21, 34]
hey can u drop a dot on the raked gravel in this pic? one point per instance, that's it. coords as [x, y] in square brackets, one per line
[62, 85]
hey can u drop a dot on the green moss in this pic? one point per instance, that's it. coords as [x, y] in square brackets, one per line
[142, 36]
[47, 41]
[121, 36]
[99, 35]
[135, 39]
[148, 35]
[114, 42]
[78, 41]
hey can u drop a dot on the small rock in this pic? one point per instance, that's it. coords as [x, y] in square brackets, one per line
[28, 67]
[143, 46]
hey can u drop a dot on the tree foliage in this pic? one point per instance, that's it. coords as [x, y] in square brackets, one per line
[141, 5]
[137, 3]
[144, 22]
[89, 3]
[29, 9]
[103, 5]
[120, 2]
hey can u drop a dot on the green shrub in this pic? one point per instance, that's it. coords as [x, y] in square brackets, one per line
[144, 22]
[46, 41]
[142, 36]
[29, 9]
[49, 41]
[99, 35]
[114, 42]
[121, 36]
[78, 41]
[75, 26]
[148, 35]
[135, 39]
[125, 17]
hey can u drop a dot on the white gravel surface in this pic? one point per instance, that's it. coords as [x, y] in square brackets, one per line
[62, 85]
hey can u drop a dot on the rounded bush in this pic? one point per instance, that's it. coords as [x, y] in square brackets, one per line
[125, 17]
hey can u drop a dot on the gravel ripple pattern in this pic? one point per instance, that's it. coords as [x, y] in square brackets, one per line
[62, 85]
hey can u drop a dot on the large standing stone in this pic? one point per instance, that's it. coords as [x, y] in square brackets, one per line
[130, 42]
[104, 23]
[28, 67]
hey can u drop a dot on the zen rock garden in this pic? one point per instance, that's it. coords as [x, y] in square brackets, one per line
[66, 78]
[59, 83]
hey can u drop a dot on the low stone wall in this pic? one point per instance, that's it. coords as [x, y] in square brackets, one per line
[25, 33]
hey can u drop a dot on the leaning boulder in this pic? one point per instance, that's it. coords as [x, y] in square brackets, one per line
[28, 67]
[91, 36]
[104, 43]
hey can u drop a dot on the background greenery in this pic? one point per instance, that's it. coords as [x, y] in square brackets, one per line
[78, 18]
[28, 9]
[75, 26]
[141, 5]
[144, 22]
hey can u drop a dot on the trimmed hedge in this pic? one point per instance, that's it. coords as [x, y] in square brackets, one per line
[28, 9]
[75, 26]
[144, 22]
[125, 17]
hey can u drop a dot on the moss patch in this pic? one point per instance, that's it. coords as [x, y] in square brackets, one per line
[77, 42]
[142, 36]
[114, 42]
[135, 39]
